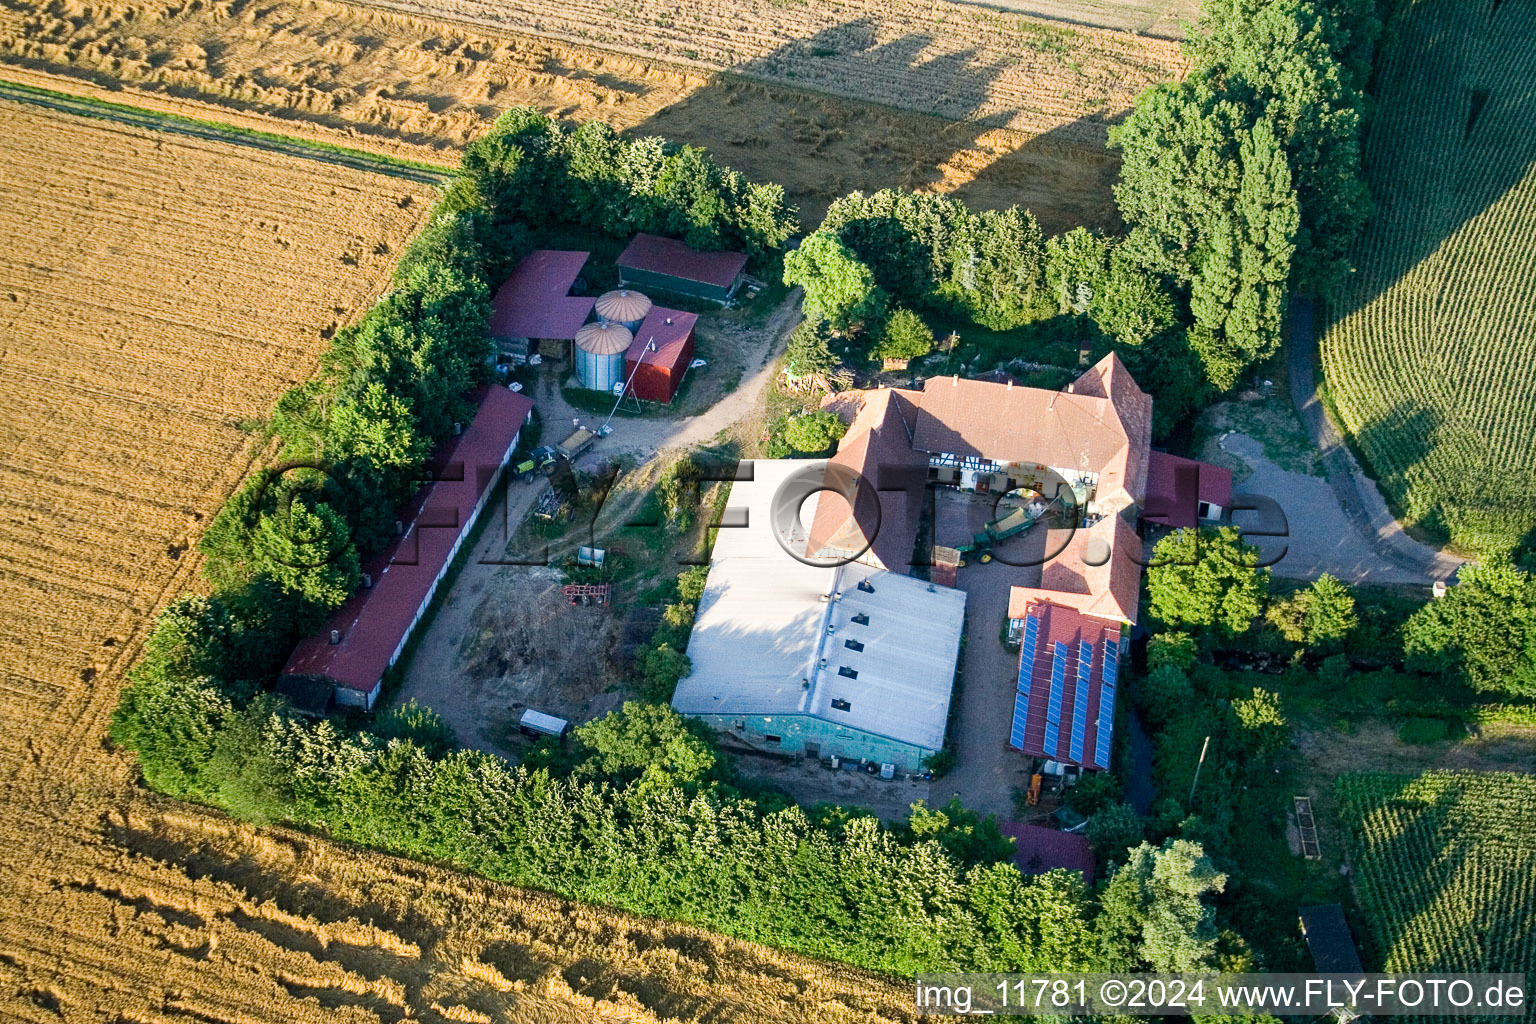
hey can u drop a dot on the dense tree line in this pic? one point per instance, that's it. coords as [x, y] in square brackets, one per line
[639, 815]
[1240, 183]
[878, 259]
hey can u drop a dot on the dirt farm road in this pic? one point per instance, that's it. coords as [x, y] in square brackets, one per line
[296, 147]
[434, 674]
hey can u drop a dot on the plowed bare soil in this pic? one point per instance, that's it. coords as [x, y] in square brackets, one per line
[820, 98]
[154, 291]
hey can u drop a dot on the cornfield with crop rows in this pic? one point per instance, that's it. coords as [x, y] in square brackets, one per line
[1429, 351]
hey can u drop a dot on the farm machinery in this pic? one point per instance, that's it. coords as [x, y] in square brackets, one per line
[546, 458]
[1011, 524]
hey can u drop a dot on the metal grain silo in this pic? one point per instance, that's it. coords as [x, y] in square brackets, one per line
[600, 349]
[623, 306]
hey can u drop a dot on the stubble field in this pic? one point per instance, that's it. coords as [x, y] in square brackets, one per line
[156, 290]
[991, 106]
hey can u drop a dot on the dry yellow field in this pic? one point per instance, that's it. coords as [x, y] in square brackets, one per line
[1023, 106]
[154, 290]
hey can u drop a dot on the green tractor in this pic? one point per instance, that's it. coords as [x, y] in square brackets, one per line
[1003, 527]
[541, 460]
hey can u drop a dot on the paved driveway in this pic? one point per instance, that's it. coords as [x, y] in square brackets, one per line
[986, 772]
[1322, 536]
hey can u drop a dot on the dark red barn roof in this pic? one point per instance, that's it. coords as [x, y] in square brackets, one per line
[376, 621]
[671, 257]
[1176, 486]
[535, 301]
[1064, 707]
[670, 329]
[1038, 849]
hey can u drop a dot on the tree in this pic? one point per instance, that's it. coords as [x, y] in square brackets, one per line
[308, 550]
[964, 834]
[807, 354]
[1153, 911]
[1207, 191]
[1320, 616]
[1075, 265]
[1130, 305]
[1000, 270]
[1164, 694]
[1482, 632]
[1265, 732]
[813, 433]
[1287, 58]
[649, 742]
[1173, 648]
[905, 337]
[838, 288]
[1113, 830]
[378, 429]
[660, 668]
[1207, 577]
[421, 725]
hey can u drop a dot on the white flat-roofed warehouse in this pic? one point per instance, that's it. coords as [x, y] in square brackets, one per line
[854, 661]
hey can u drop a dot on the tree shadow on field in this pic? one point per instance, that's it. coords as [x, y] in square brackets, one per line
[1476, 499]
[1451, 134]
[933, 134]
[1430, 843]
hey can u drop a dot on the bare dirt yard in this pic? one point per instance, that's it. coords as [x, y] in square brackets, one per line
[992, 106]
[154, 291]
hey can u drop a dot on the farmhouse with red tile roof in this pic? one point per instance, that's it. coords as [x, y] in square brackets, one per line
[1088, 447]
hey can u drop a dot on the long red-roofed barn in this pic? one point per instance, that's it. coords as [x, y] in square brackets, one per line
[651, 261]
[370, 631]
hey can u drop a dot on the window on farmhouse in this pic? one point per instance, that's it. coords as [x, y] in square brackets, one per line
[851, 673]
[861, 619]
[841, 705]
[853, 645]
[866, 586]
[771, 739]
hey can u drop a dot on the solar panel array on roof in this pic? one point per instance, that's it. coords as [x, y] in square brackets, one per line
[1053, 712]
[1027, 656]
[1080, 699]
[1026, 668]
[1107, 704]
[1020, 719]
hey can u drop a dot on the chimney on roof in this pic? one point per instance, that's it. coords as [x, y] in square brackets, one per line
[955, 381]
[1010, 383]
[458, 428]
[399, 527]
[669, 320]
[335, 636]
[1070, 387]
[367, 580]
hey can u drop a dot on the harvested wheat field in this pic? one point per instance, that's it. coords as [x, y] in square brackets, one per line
[154, 290]
[1023, 109]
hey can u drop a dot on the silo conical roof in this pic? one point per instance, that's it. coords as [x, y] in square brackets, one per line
[604, 338]
[623, 305]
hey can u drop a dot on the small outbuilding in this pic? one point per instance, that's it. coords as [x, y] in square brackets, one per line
[537, 723]
[1329, 940]
[1183, 492]
[651, 261]
[658, 358]
[1038, 849]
